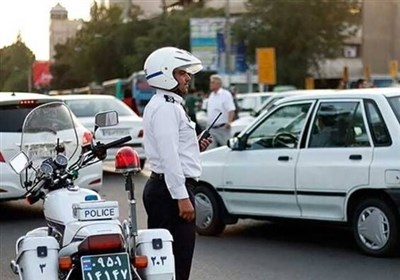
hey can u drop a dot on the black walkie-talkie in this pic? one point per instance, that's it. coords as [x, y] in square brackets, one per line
[206, 133]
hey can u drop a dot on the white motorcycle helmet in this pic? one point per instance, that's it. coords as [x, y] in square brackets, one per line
[161, 63]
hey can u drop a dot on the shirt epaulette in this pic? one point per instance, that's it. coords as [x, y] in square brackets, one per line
[169, 98]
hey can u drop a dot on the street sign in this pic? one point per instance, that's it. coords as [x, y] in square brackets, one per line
[266, 64]
[367, 72]
[310, 83]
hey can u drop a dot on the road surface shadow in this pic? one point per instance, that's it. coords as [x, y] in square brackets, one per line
[309, 233]
[20, 210]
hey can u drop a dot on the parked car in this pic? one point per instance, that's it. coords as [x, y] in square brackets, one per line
[283, 88]
[85, 107]
[351, 176]
[248, 103]
[238, 125]
[14, 106]
[251, 102]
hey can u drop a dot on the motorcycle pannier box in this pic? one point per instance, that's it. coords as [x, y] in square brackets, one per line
[38, 257]
[156, 244]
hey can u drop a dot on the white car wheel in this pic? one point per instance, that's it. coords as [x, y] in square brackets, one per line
[204, 211]
[208, 212]
[375, 227]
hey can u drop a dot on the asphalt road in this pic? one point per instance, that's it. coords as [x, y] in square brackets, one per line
[248, 250]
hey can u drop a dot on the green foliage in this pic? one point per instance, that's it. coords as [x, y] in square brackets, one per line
[303, 32]
[15, 66]
[106, 48]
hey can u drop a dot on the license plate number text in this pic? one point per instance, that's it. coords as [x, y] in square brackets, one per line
[107, 267]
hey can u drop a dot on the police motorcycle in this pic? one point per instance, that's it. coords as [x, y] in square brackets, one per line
[84, 238]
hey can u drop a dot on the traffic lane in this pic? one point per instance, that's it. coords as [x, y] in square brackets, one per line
[16, 219]
[114, 189]
[248, 250]
[263, 250]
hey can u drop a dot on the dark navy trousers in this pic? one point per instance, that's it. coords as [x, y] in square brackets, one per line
[163, 212]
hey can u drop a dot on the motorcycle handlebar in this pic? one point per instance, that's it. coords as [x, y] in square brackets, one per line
[100, 149]
[33, 194]
[117, 142]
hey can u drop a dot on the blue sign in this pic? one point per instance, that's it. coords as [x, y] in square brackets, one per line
[240, 58]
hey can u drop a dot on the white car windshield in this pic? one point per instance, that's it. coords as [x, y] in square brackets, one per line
[395, 104]
[90, 107]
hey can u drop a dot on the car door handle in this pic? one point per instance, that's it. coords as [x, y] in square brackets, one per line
[355, 157]
[283, 158]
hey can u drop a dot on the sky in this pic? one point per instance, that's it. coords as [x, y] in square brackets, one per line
[31, 18]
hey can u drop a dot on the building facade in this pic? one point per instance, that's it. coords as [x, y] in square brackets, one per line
[373, 47]
[380, 43]
[61, 28]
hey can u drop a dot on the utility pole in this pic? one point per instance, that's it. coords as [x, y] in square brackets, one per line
[228, 67]
[126, 13]
[164, 6]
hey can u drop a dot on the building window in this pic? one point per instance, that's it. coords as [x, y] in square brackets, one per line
[351, 51]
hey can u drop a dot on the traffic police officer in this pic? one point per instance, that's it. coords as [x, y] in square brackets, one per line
[172, 151]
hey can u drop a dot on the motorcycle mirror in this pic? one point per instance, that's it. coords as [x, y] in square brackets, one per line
[105, 119]
[19, 162]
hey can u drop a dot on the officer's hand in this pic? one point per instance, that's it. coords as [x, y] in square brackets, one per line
[204, 143]
[186, 210]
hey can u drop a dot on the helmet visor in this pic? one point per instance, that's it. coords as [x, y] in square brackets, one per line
[192, 68]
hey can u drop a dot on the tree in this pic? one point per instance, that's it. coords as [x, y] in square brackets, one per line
[15, 66]
[106, 48]
[303, 32]
[170, 29]
[100, 51]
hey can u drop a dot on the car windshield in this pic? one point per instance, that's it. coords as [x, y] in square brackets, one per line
[395, 104]
[268, 104]
[90, 107]
[250, 102]
[246, 104]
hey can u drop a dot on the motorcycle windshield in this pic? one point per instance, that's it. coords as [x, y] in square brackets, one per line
[46, 129]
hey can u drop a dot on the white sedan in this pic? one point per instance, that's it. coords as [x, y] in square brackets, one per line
[14, 107]
[86, 106]
[334, 157]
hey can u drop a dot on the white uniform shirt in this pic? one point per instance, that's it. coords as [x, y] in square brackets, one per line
[170, 142]
[220, 101]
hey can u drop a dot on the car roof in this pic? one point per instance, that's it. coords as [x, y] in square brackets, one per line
[13, 97]
[85, 96]
[303, 91]
[346, 93]
[290, 93]
[251, 94]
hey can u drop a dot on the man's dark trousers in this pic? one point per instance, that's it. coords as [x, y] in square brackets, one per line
[163, 212]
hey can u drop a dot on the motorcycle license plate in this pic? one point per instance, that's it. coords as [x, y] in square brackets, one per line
[108, 266]
[41, 150]
[115, 132]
